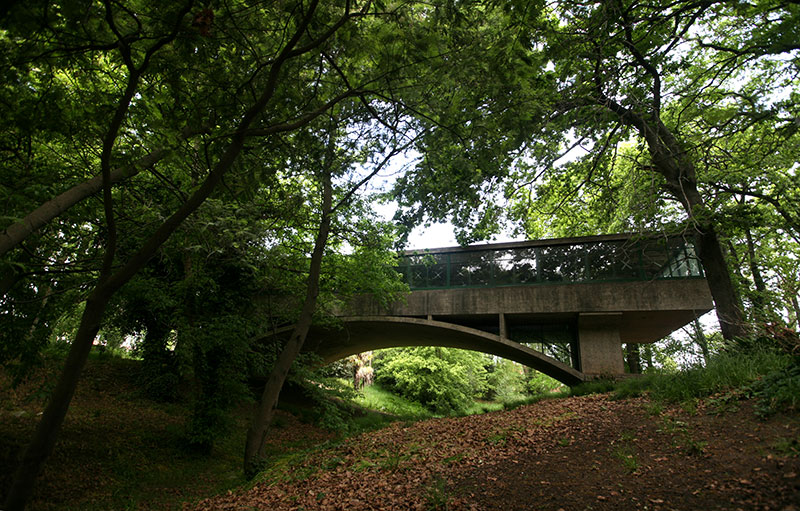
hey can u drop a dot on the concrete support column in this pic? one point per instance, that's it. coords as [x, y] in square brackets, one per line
[599, 344]
[503, 331]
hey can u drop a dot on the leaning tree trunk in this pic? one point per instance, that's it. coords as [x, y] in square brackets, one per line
[701, 340]
[44, 438]
[672, 162]
[255, 448]
[729, 313]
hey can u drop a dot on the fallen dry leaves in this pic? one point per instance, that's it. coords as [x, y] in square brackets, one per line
[578, 453]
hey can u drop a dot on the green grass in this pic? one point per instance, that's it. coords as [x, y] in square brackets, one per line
[787, 447]
[375, 397]
[479, 407]
[725, 372]
[627, 455]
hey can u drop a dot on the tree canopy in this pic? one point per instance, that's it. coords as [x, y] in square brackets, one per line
[192, 175]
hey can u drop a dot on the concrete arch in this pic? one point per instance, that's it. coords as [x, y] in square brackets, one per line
[363, 333]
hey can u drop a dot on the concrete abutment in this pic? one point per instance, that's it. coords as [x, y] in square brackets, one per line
[599, 344]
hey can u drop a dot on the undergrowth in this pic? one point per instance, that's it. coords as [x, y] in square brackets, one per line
[375, 397]
[769, 375]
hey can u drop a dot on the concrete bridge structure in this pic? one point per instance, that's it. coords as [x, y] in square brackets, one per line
[577, 299]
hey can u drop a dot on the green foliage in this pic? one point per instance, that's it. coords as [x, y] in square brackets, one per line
[788, 447]
[506, 381]
[375, 397]
[436, 494]
[593, 387]
[443, 380]
[770, 375]
[726, 371]
[779, 390]
[538, 383]
[626, 453]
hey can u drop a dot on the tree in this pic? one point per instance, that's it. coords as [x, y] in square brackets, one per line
[149, 73]
[597, 75]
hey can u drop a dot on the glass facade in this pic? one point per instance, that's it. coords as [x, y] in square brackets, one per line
[586, 261]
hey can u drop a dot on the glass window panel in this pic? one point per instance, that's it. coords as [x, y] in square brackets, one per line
[403, 270]
[563, 263]
[437, 275]
[418, 276]
[427, 259]
[504, 274]
[481, 275]
[459, 274]
[613, 260]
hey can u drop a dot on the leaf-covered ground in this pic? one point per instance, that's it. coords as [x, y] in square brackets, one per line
[577, 453]
[120, 451]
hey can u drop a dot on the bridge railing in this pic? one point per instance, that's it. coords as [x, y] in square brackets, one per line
[596, 259]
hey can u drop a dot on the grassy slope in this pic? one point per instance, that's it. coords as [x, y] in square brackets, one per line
[121, 451]
[118, 450]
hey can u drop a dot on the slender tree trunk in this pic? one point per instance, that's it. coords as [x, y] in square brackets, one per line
[760, 295]
[758, 279]
[633, 358]
[796, 308]
[44, 438]
[701, 340]
[648, 355]
[254, 453]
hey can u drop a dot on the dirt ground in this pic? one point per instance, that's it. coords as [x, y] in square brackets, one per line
[572, 454]
[583, 453]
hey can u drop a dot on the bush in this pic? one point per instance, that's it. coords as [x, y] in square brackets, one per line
[778, 391]
[443, 380]
[506, 382]
[539, 383]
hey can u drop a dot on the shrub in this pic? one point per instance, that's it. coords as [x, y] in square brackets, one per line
[506, 382]
[443, 380]
[779, 390]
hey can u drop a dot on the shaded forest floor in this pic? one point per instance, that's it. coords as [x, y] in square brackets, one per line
[120, 451]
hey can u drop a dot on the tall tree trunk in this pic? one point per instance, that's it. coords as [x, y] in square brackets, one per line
[255, 453]
[47, 431]
[44, 438]
[726, 300]
[796, 308]
[633, 358]
[648, 355]
[760, 294]
[672, 161]
[701, 340]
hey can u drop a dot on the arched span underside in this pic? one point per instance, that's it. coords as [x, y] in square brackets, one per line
[365, 333]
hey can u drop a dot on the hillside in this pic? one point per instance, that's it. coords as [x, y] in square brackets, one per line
[119, 450]
[578, 453]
